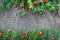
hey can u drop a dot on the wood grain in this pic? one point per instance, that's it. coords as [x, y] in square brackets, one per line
[11, 19]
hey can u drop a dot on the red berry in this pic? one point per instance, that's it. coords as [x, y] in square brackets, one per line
[41, 33]
[21, 5]
[35, 2]
[0, 34]
[22, 36]
[52, 38]
[45, 0]
[26, 8]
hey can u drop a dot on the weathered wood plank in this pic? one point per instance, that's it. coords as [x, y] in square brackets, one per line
[11, 19]
[50, 18]
[28, 21]
[41, 20]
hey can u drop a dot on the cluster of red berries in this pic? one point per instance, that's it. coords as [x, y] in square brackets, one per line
[22, 36]
[22, 5]
[26, 8]
[35, 2]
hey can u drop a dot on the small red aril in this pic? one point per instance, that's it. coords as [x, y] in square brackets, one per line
[52, 38]
[22, 36]
[45, 1]
[26, 8]
[35, 2]
[0, 34]
[21, 5]
[40, 33]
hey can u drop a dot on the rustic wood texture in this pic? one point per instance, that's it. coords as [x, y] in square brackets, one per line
[11, 19]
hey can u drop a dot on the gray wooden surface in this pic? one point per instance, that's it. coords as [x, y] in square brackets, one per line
[11, 19]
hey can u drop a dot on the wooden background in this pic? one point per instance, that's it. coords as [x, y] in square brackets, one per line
[11, 19]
